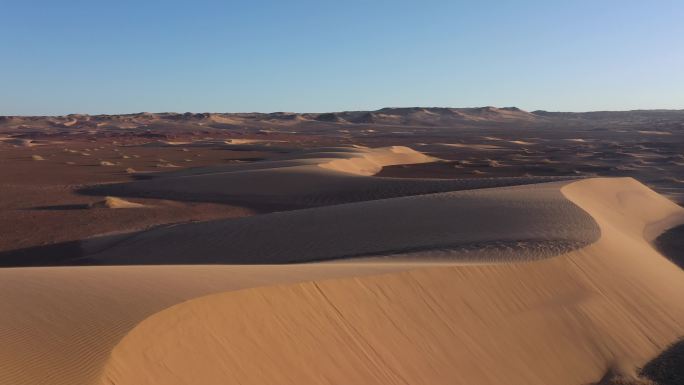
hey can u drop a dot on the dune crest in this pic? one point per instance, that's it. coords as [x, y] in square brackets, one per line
[367, 161]
[115, 203]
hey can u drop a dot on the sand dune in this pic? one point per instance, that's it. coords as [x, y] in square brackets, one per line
[455, 224]
[349, 160]
[115, 203]
[615, 302]
[323, 176]
[513, 223]
[481, 281]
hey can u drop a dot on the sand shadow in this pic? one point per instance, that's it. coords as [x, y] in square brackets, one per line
[668, 367]
[671, 245]
[58, 254]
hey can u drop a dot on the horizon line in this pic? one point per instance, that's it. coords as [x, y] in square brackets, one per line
[340, 111]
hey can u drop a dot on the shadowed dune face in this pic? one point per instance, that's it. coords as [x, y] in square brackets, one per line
[455, 224]
[668, 367]
[671, 244]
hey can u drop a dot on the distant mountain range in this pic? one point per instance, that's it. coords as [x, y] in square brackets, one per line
[405, 116]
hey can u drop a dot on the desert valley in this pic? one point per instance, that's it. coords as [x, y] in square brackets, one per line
[398, 246]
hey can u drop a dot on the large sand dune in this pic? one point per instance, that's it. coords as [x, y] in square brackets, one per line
[608, 300]
[566, 320]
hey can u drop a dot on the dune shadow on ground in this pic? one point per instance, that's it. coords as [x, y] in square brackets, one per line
[671, 245]
[665, 369]
[668, 367]
[58, 254]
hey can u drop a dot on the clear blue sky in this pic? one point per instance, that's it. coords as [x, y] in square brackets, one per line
[119, 56]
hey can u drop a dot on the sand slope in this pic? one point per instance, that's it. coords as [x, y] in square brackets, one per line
[58, 325]
[564, 320]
